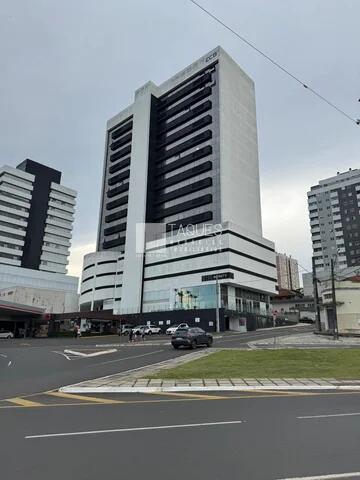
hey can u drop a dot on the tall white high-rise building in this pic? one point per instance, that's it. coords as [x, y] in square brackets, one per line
[334, 211]
[183, 156]
[36, 218]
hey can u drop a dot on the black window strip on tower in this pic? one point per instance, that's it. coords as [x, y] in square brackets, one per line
[121, 142]
[185, 117]
[125, 127]
[193, 220]
[205, 92]
[185, 160]
[119, 178]
[208, 269]
[89, 266]
[120, 165]
[115, 229]
[209, 68]
[117, 203]
[167, 100]
[189, 129]
[202, 237]
[192, 142]
[121, 153]
[180, 192]
[191, 172]
[212, 252]
[114, 243]
[116, 216]
[183, 207]
[117, 190]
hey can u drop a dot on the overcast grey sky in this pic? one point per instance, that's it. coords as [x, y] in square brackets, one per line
[67, 66]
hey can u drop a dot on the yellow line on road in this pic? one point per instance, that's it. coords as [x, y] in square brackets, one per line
[188, 395]
[91, 401]
[73, 396]
[24, 403]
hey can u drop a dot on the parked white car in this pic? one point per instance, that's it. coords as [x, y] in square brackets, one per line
[172, 330]
[6, 334]
[148, 329]
[138, 329]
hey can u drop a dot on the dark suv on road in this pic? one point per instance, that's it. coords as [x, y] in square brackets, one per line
[191, 337]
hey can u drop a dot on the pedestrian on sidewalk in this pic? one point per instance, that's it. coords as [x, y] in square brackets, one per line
[75, 331]
[131, 333]
[143, 334]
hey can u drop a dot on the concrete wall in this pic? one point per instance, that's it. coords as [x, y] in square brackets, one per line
[54, 301]
[11, 276]
[348, 306]
[239, 165]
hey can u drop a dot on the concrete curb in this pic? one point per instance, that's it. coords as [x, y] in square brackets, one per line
[272, 388]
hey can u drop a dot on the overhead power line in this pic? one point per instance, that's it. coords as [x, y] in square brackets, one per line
[276, 64]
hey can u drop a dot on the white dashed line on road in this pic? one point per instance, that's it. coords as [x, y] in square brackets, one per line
[136, 429]
[308, 417]
[333, 476]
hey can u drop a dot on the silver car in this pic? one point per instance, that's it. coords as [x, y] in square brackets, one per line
[6, 334]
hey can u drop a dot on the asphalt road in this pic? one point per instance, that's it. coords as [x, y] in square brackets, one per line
[250, 437]
[214, 436]
[34, 365]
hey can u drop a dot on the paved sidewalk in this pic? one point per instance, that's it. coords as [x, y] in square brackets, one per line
[146, 385]
[306, 340]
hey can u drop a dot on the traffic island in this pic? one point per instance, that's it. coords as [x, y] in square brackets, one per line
[232, 370]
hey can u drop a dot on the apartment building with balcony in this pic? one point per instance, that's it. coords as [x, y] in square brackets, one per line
[334, 213]
[36, 222]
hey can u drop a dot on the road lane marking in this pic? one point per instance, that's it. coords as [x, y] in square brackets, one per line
[127, 358]
[330, 415]
[136, 429]
[9, 363]
[188, 395]
[23, 402]
[63, 354]
[167, 400]
[89, 355]
[326, 477]
[83, 397]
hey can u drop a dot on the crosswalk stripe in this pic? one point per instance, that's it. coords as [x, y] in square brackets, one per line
[83, 397]
[23, 402]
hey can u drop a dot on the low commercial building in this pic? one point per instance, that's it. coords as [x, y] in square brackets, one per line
[22, 320]
[51, 301]
[11, 276]
[293, 307]
[347, 294]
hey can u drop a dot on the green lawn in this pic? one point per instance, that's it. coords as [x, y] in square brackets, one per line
[290, 363]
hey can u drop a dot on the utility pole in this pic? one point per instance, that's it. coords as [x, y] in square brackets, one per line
[316, 296]
[336, 330]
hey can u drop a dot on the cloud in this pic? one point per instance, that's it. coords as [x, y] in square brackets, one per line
[76, 258]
